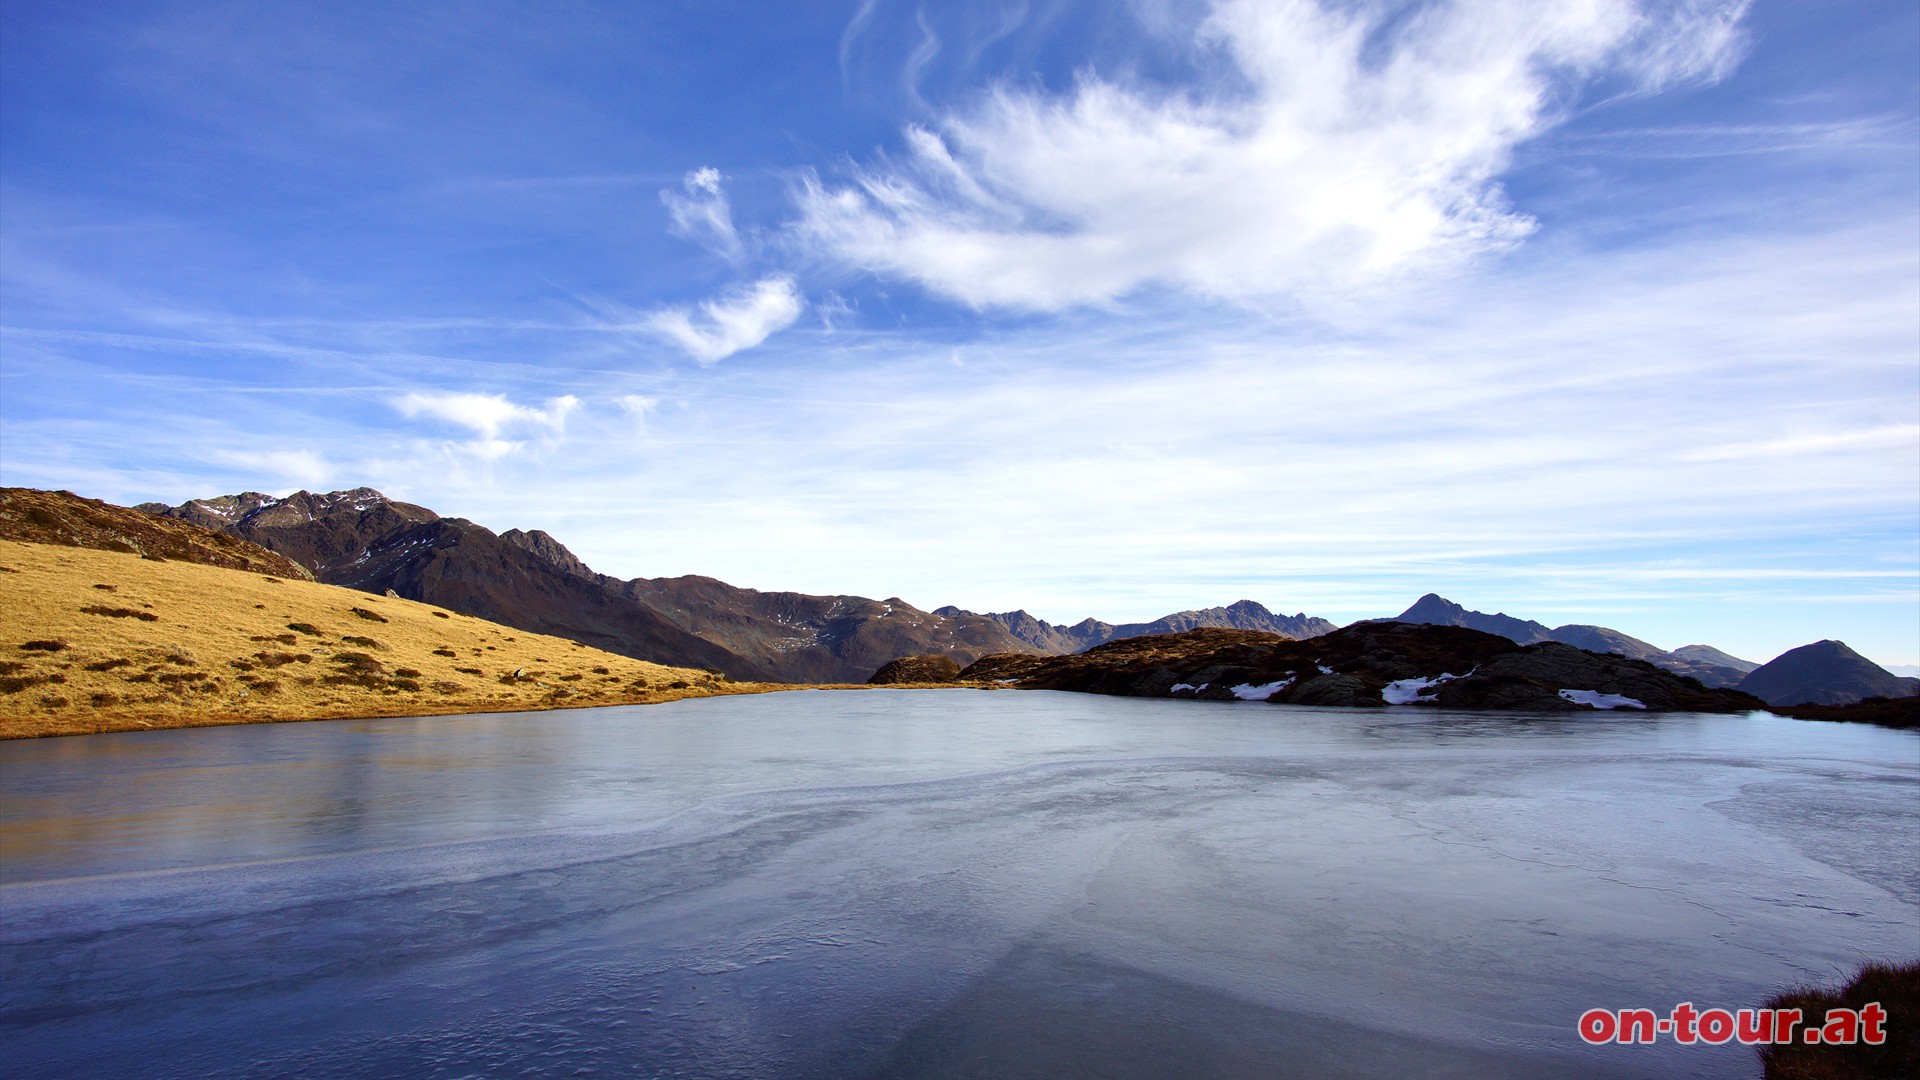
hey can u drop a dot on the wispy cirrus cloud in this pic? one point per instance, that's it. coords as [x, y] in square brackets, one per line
[1354, 143]
[741, 319]
[299, 468]
[699, 212]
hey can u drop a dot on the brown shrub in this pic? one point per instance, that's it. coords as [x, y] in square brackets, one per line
[370, 616]
[447, 686]
[359, 663]
[306, 628]
[178, 677]
[441, 615]
[1895, 987]
[103, 700]
[109, 665]
[601, 671]
[13, 684]
[405, 673]
[108, 588]
[469, 671]
[43, 645]
[8, 667]
[445, 652]
[363, 642]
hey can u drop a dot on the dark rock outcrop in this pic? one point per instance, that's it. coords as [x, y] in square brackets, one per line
[1903, 712]
[916, 669]
[64, 519]
[1368, 664]
[1824, 673]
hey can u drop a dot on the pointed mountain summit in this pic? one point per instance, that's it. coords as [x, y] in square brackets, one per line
[1436, 610]
[1824, 673]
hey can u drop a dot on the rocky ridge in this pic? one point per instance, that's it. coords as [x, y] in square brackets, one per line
[1062, 638]
[64, 519]
[1709, 665]
[1369, 664]
[526, 578]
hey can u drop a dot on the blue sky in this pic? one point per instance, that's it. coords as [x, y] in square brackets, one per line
[1591, 311]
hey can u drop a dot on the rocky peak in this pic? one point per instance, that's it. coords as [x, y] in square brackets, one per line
[546, 547]
[1436, 610]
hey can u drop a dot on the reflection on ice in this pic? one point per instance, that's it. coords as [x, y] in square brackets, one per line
[936, 884]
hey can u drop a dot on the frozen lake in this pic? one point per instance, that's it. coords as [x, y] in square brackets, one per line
[933, 884]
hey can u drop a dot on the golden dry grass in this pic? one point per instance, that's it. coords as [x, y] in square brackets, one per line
[94, 641]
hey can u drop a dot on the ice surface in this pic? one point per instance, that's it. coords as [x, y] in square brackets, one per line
[935, 883]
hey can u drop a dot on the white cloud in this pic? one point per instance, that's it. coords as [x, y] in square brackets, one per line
[702, 215]
[488, 414]
[740, 320]
[1886, 437]
[301, 468]
[1357, 147]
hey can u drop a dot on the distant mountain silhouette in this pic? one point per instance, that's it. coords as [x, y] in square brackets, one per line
[1435, 610]
[1824, 673]
[1697, 661]
[1241, 615]
[1707, 654]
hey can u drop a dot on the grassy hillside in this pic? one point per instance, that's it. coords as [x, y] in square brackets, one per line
[109, 641]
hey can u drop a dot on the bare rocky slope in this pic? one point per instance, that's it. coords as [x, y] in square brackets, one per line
[362, 540]
[1369, 664]
[63, 519]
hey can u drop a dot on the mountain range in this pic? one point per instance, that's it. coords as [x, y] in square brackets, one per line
[1703, 662]
[363, 540]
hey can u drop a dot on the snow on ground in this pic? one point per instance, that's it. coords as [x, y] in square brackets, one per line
[1250, 692]
[1177, 687]
[1602, 701]
[1410, 691]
